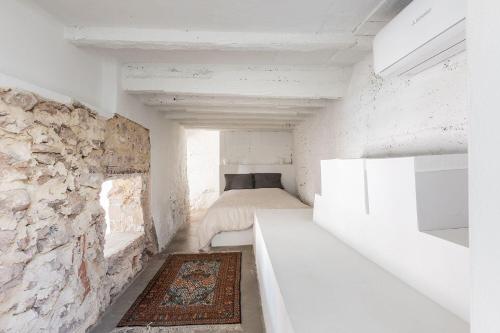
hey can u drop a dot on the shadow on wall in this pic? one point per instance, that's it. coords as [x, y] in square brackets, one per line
[202, 168]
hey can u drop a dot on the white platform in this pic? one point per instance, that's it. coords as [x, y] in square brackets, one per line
[233, 238]
[312, 282]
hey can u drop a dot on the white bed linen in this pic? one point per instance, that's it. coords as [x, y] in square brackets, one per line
[235, 209]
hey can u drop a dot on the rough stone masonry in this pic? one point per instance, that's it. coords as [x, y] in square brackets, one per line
[127, 155]
[53, 274]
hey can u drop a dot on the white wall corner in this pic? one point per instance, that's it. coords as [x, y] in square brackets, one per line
[8, 81]
[110, 85]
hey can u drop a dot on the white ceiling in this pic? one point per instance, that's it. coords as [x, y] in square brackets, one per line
[210, 34]
[317, 16]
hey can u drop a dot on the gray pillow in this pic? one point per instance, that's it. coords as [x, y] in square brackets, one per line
[238, 181]
[267, 180]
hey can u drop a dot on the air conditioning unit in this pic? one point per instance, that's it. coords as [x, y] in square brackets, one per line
[422, 35]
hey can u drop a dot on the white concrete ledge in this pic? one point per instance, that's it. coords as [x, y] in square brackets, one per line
[312, 282]
[117, 242]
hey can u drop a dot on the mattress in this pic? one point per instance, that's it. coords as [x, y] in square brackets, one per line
[235, 210]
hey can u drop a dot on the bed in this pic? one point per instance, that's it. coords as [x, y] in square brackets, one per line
[229, 221]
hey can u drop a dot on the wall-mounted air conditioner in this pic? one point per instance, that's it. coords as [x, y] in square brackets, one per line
[422, 35]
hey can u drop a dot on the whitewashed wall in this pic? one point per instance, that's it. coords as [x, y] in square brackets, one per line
[423, 114]
[256, 147]
[202, 167]
[33, 50]
[483, 28]
[256, 152]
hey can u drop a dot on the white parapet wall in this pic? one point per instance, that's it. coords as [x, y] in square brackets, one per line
[373, 206]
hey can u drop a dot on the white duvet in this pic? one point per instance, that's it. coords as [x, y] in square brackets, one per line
[235, 209]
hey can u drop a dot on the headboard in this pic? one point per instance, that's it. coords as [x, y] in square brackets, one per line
[287, 173]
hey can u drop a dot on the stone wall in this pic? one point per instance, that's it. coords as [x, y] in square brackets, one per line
[123, 263]
[53, 274]
[52, 226]
[421, 114]
[128, 152]
[127, 147]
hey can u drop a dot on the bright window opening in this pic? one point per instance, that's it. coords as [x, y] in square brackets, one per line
[121, 200]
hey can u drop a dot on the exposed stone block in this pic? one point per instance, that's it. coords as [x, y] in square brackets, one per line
[23, 99]
[9, 273]
[51, 114]
[45, 158]
[13, 118]
[14, 150]
[12, 175]
[14, 201]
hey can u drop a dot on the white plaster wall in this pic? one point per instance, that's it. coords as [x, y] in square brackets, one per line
[483, 28]
[202, 167]
[33, 50]
[256, 147]
[423, 114]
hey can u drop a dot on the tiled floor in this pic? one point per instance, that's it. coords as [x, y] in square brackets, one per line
[185, 241]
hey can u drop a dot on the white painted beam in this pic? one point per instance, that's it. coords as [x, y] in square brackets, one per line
[160, 39]
[222, 101]
[239, 127]
[240, 110]
[236, 125]
[210, 116]
[240, 121]
[314, 82]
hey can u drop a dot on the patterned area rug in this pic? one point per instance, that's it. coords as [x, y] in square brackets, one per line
[190, 289]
